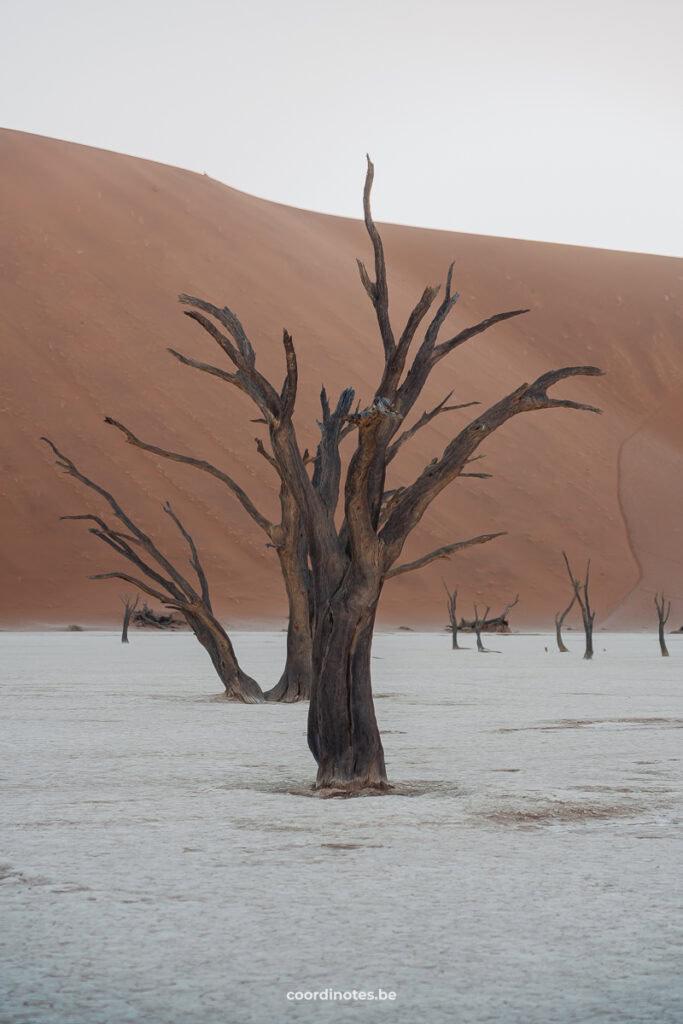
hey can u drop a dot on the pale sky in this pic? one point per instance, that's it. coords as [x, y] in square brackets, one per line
[557, 120]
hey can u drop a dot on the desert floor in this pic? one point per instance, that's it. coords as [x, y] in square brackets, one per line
[163, 863]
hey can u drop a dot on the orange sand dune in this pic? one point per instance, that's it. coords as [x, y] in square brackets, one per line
[96, 247]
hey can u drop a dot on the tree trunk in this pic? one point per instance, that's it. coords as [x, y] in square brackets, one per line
[126, 623]
[560, 641]
[588, 627]
[213, 638]
[295, 681]
[662, 641]
[342, 729]
[454, 635]
[480, 646]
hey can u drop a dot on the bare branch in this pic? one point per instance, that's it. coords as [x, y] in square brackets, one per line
[148, 545]
[289, 388]
[471, 332]
[194, 560]
[260, 448]
[229, 320]
[188, 460]
[162, 598]
[418, 496]
[424, 419]
[377, 290]
[443, 552]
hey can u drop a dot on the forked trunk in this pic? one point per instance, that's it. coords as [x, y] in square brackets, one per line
[342, 729]
[213, 638]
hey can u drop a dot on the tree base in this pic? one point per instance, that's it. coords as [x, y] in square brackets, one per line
[345, 790]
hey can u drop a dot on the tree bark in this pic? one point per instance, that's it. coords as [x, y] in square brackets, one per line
[343, 734]
[295, 681]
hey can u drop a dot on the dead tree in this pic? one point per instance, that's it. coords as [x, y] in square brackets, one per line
[350, 564]
[663, 619]
[497, 624]
[559, 620]
[452, 617]
[129, 607]
[477, 625]
[166, 584]
[147, 618]
[587, 614]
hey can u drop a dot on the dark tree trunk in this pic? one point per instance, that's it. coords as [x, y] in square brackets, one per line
[663, 617]
[295, 681]
[216, 642]
[128, 611]
[477, 626]
[454, 636]
[662, 641]
[588, 627]
[559, 621]
[342, 729]
[560, 642]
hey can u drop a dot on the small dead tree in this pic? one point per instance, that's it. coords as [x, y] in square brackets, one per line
[166, 584]
[148, 618]
[663, 618]
[452, 617]
[587, 614]
[478, 625]
[559, 620]
[129, 607]
[497, 624]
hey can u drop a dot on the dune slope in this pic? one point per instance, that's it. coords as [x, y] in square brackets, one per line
[96, 247]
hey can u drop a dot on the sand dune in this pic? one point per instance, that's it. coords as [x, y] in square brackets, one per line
[98, 245]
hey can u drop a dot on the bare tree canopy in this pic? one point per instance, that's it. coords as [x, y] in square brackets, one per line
[349, 564]
[159, 578]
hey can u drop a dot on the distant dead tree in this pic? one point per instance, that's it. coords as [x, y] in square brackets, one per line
[452, 617]
[350, 562]
[129, 607]
[166, 584]
[663, 618]
[478, 625]
[497, 624]
[559, 621]
[581, 594]
[146, 617]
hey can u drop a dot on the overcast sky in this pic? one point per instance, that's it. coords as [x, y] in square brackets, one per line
[557, 120]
